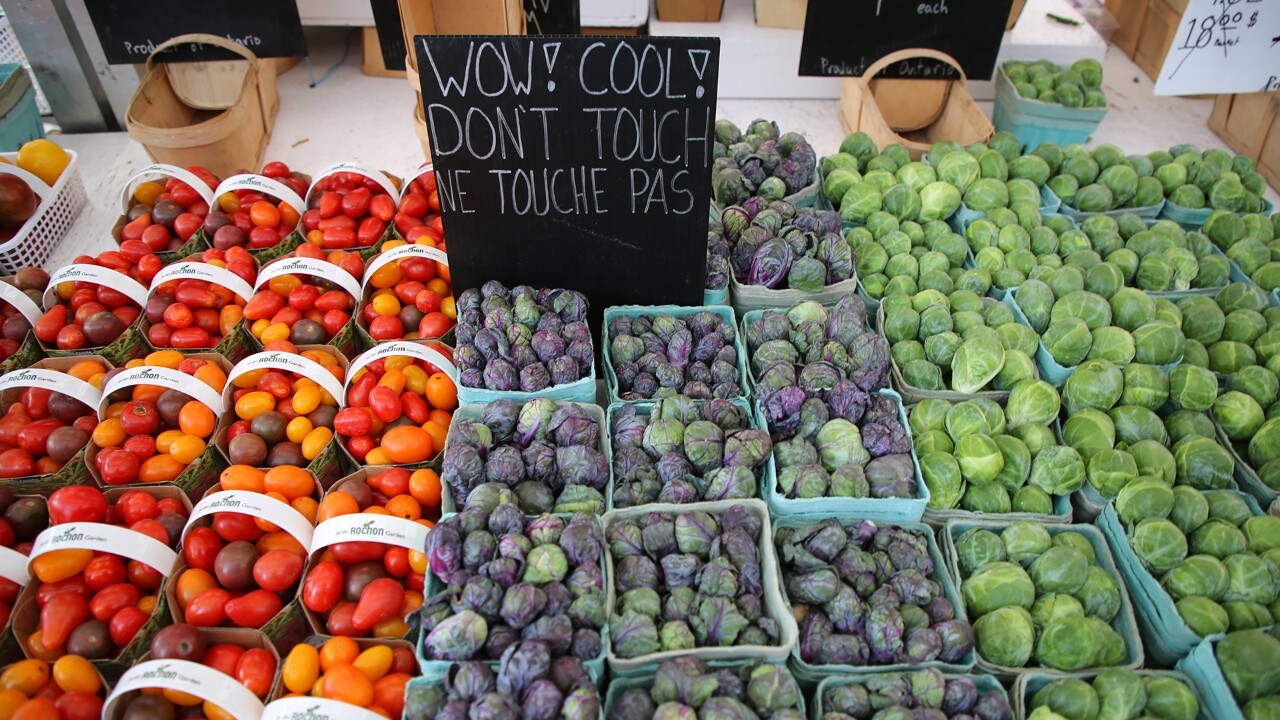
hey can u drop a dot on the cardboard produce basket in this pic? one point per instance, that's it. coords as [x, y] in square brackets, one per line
[913, 112]
[176, 128]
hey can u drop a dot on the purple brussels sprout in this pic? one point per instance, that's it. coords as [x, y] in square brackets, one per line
[444, 551]
[782, 410]
[500, 374]
[522, 664]
[626, 348]
[702, 391]
[471, 377]
[458, 637]
[815, 628]
[747, 448]
[522, 355]
[620, 325]
[625, 539]
[555, 631]
[628, 428]
[923, 645]
[680, 347]
[698, 371]
[522, 604]
[572, 425]
[771, 263]
[564, 370]
[885, 438]
[492, 344]
[548, 345]
[884, 632]
[504, 465]
[891, 476]
[741, 518]
[939, 609]
[540, 461]
[534, 378]
[869, 356]
[635, 571]
[550, 322]
[993, 705]
[678, 492]
[582, 353]
[959, 696]
[632, 463]
[957, 640]
[542, 701]
[580, 465]
[843, 650]
[633, 635]
[570, 305]
[722, 372]
[505, 571]
[581, 540]
[708, 346]
[462, 467]
[586, 644]
[500, 417]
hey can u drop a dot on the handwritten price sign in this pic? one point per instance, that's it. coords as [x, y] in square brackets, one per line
[1224, 46]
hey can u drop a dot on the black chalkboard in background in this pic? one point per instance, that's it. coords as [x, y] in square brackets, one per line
[386, 19]
[843, 37]
[130, 29]
[622, 131]
[552, 17]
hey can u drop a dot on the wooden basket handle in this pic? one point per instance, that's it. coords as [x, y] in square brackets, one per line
[204, 39]
[907, 54]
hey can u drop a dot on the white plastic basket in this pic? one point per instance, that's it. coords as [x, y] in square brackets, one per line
[11, 52]
[58, 209]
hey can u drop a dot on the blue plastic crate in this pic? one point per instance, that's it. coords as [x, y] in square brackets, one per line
[19, 116]
[1036, 122]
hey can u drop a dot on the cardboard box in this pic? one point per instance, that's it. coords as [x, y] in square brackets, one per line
[690, 10]
[460, 17]
[781, 13]
[371, 57]
[1250, 125]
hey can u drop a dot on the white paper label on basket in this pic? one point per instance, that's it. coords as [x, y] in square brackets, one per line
[429, 167]
[106, 538]
[166, 378]
[314, 708]
[322, 269]
[98, 276]
[20, 302]
[191, 678]
[1223, 47]
[266, 186]
[52, 380]
[13, 566]
[246, 502]
[277, 360]
[404, 251]
[401, 347]
[355, 167]
[196, 270]
[200, 186]
[366, 527]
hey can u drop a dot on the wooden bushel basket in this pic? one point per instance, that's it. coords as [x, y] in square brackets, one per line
[226, 130]
[914, 112]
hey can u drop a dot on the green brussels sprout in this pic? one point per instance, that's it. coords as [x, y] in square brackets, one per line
[1100, 595]
[974, 366]
[938, 200]
[1203, 575]
[1218, 538]
[1238, 414]
[1193, 388]
[1262, 533]
[979, 458]
[1252, 580]
[1031, 499]
[1154, 460]
[997, 584]
[1056, 605]
[1121, 694]
[1170, 698]
[1158, 343]
[1095, 384]
[989, 498]
[1202, 615]
[1032, 402]
[1035, 437]
[1096, 197]
[859, 202]
[1145, 386]
[977, 548]
[1060, 569]
[1005, 637]
[1144, 498]
[1068, 341]
[1111, 470]
[1067, 643]
[1024, 541]
[1089, 432]
[1072, 698]
[1058, 470]
[1134, 423]
[1159, 545]
[1190, 509]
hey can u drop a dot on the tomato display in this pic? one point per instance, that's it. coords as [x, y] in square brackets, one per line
[45, 428]
[397, 410]
[241, 569]
[165, 214]
[363, 589]
[418, 214]
[253, 219]
[90, 314]
[242, 660]
[150, 433]
[21, 520]
[190, 312]
[348, 210]
[367, 674]
[14, 324]
[93, 602]
[69, 688]
[309, 306]
[408, 296]
[282, 417]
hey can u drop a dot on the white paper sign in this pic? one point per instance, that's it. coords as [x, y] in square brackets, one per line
[1224, 46]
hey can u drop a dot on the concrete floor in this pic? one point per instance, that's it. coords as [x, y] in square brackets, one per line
[351, 116]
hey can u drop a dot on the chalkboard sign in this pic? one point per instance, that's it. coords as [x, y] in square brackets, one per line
[1224, 47]
[843, 37]
[386, 20]
[129, 30]
[578, 162]
[552, 17]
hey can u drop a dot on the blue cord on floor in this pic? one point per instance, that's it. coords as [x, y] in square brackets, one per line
[346, 50]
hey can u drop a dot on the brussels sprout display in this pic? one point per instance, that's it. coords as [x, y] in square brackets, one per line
[506, 578]
[761, 162]
[776, 245]
[1076, 324]
[689, 580]
[661, 355]
[543, 456]
[1248, 242]
[902, 257]
[817, 373]
[869, 595]
[1117, 692]
[1209, 553]
[528, 680]
[958, 342]
[522, 339]
[1014, 580]
[979, 457]
[1079, 85]
[685, 688]
[682, 451]
[915, 694]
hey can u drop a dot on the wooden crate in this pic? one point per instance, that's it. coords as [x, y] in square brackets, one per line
[690, 10]
[1129, 14]
[1250, 125]
[1159, 27]
[787, 14]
